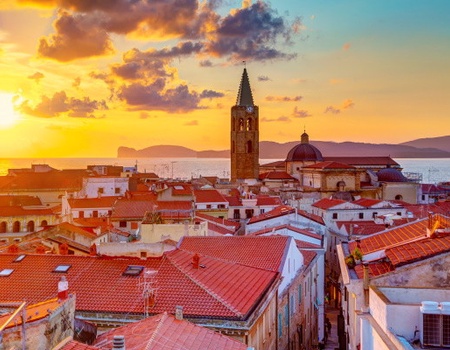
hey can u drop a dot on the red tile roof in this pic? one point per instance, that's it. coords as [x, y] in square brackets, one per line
[304, 232]
[366, 202]
[362, 228]
[181, 190]
[233, 201]
[219, 221]
[276, 212]
[209, 196]
[308, 256]
[51, 180]
[361, 161]
[165, 332]
[21, 211]
[393, 237]
[268, 200]
[414, 251]
[132, 209]
[327, 203]
[19, 200]
[264, 252]
[311, 216]
[102, 202]
[276, 175]
[221, 289]
[329, 165]
[376, 268]
[74, 345]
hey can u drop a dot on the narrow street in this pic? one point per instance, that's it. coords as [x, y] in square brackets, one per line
[332, 341]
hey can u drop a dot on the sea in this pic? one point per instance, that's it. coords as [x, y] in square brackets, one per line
[431, 171]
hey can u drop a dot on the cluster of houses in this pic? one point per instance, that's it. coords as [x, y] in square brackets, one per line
[110, 258]
[89, 256]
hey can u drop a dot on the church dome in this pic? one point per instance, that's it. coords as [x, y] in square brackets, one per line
[391, 175]
[304, 151]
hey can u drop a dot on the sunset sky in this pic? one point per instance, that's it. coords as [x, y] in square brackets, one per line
[79, 78]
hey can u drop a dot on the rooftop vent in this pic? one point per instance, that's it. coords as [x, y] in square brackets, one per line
[118, 342]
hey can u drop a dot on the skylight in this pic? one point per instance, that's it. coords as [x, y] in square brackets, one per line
[178, 187]
[62, 268]
[133, 270]
[6, 272]
[19, 258]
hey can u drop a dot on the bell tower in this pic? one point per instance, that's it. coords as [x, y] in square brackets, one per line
[244, 134]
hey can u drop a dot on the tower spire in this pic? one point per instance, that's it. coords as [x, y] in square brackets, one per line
[244, 97]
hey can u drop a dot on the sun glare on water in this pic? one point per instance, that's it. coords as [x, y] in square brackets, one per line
[8, 115]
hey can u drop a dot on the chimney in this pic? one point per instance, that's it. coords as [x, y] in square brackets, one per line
[366, 283]
[179, 312]
[195, 261]
[118, 342]
[63, 288]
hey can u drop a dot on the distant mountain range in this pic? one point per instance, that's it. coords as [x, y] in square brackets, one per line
[437, 147]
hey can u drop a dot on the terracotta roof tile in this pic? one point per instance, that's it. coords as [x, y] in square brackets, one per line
[209, 196]
[311, 216]
[276, 212]
[21, 211]
[222, 289]
[164, 332]
[74, 345]
[361, 161]
[233, 201]
[51, 180]
[132, 209]
[392, 237]
[102, 202]
[376, 268]
[276, 175]
[19, 200]
[418, 250]
[264, 252]
[327, 203]
[219, 221]
[367, 202]
[268, 200]
[329, 165]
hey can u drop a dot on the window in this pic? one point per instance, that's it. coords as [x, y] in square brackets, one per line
[375, 214]
[299, 293]
[249, 147]
[95, 214]
[62, 268]
[280, 325]
[335, 216]
[133, 270]
[117, 190]
[435, 324]
[262, 211]
[16, 226]
[19, 258]
[6, 272]
[249, 124]
[236, 214]
[241, 124]
[3, 227]
[361, 215]
[81, 214]
[122, 224]
[101, 190]
[249, 213]
[44, 223]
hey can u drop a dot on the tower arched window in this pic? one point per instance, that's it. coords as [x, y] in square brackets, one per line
[30, 226]
[16, 226]
[248, 125]
[249, 147]
[3, 227]
[241, 124]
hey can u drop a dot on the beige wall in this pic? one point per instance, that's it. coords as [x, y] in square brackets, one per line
[152, 233]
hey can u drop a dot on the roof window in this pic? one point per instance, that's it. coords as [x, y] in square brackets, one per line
[19, 258]
[133, 270]
[6, 272]
[62, 268]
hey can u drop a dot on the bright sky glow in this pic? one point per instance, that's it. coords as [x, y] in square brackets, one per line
[90, 76]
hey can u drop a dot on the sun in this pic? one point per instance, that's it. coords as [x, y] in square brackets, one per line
[8, 115]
